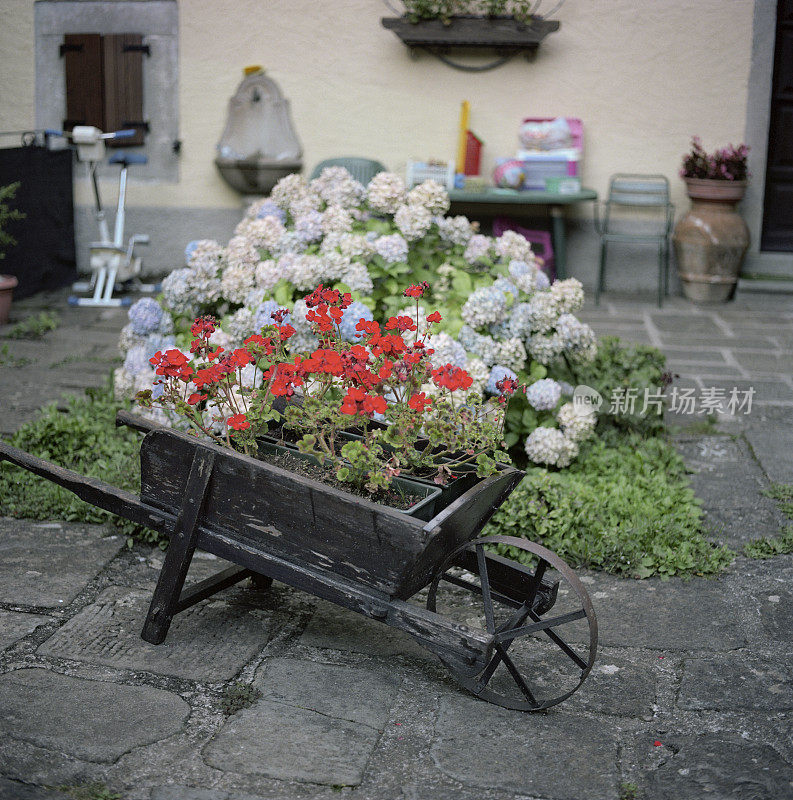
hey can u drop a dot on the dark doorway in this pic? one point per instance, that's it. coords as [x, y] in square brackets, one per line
[778, 205]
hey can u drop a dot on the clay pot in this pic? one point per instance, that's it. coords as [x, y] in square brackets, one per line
[7, 285]
[711, 240]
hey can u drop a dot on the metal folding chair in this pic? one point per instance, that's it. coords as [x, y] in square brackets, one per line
[362, 169]
[637, 210]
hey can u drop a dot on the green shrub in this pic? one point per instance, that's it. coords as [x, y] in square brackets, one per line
[35, 326]
[82, 437]
[624, 506]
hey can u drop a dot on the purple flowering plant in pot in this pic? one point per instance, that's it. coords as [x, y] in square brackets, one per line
[711, 239]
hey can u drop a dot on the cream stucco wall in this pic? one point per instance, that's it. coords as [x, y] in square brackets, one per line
[643, 75]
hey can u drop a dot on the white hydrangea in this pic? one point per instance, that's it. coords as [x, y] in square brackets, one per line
[302, 343]
[337, 187]
[578, 424]
[336, 219]
[550, 446]
[545, 348]
[288, 189]
[524, 276]
[357, 278]
[268, 274]
[543, 312]
[354, 245]
[569, 295]
[455, 230]
[291, 242]
[204, 284]
[484, 306]
[128, 338]
[308, 226]
[304, 204]
[307, 272]
[240, 325]
[444, 283]
[511, 246]
[446, 351]
[431, 195]
[297, 319]
[393, 249]
[479, 372]
[334, 266]
[511, 353]
[264, 233]
[177, 293]
[385, 193]
[236, 282]
[578, 338]
[123, 384]
[478, 247]
[543, 395]
[240, 252]
[480, 345]
[413, 221]
[206, 253]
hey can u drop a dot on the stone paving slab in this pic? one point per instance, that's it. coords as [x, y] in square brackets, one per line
[772, 446]
[286, 742]
[47, 565]
[718, 766]
[14, 625]
[737, 681]
[91, 720]
[657, 614]
[362, 695]
[479, 745]
[729, 481]
[209, 642]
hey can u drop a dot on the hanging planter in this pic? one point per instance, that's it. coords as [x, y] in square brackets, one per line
[506, 35]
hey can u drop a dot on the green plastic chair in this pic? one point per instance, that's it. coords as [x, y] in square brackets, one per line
[362, 169]
[637, 210]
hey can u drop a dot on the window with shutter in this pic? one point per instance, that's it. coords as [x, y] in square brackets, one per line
[104, 83]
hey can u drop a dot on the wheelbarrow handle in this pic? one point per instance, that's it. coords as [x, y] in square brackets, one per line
[136, 423]
[92, 490]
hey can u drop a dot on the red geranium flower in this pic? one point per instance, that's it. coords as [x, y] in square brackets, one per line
[434, 317]
[417, 289]
[418, 402]
[239, 422]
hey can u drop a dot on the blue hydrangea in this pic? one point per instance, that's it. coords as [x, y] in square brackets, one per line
[270, 209]
[156, 341]
[352, 315]
[501, 330]
[520, 320]
[190, 249]
[308, 226]
[137, 360]
[484, 306]
[544, 394]
[145, 316]
[542, 281]
[506, 286]
[263, 315]
[498, 373]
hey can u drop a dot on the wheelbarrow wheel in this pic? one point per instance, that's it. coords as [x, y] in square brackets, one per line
[541, 618]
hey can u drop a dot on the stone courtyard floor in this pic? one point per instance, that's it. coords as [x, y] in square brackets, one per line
[691, 696]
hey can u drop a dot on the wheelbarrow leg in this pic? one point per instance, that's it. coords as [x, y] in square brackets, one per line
[180, 550]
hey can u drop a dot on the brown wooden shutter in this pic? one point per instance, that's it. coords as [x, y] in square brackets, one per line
[123, 86]
[82, 54]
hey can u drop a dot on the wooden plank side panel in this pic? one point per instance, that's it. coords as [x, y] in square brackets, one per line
[123, 86]
[287, 514]
[458, 523]
[84, 90]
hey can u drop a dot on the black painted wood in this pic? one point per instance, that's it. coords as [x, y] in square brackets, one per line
[211, 585]
[165, 601]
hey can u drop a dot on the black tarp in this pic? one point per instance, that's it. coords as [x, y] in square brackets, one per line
[44, 257]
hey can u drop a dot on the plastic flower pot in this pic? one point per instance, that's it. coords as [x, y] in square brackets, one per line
[7, 285]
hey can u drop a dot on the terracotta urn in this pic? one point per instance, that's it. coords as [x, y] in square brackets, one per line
[711, 240]
[7, 285]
